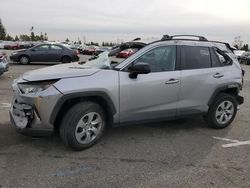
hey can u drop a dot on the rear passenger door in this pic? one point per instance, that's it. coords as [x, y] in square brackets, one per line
[39, 53]
[201, 73]
[55, 53]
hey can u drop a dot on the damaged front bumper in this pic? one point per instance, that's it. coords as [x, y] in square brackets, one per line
[30, 113]
[27, 122]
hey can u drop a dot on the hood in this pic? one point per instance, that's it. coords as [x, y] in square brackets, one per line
[19, 51]
[59, 71]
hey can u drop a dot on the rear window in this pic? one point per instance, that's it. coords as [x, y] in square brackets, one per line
[195, 57]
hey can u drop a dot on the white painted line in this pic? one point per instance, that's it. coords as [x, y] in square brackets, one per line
[5, 105]
[226, 139]
[234, 143]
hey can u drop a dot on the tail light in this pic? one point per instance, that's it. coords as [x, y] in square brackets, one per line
[77, 52]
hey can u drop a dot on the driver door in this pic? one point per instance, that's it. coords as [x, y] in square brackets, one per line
[151, 96]
[40, 53]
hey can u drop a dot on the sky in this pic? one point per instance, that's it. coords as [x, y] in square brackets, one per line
[112, 20]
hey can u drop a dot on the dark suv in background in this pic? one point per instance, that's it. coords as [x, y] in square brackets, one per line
[45, 53]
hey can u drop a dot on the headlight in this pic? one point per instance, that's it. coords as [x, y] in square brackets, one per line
[13, 53]
[35, 87]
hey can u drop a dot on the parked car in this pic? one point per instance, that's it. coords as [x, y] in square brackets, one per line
[12, 46]
[245, 58]
[126, 53]
[4, 65]
[239, 54]
[1, 44]
[101, 50]
[81, 48]
[136, 44]
[25, 45]
[90, 50]
[45, 53]
[154, 84]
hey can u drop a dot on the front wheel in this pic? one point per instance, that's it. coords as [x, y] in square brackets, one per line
[24, 60]
[83, 125]
[222, 112]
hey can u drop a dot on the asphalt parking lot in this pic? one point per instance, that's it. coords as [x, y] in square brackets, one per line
[182, 153]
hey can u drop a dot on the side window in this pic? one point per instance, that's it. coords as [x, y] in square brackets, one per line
[42, 47]
[55, 47]
[224, 59]
[215, 58]
[195, 57]
[160, 59]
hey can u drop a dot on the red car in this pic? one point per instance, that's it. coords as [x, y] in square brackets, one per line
[12, 46]
[126, 53]
[89, 50]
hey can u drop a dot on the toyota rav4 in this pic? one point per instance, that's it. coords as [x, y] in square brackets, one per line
[171, 78]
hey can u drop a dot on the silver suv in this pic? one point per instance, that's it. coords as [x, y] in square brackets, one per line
[172, 78]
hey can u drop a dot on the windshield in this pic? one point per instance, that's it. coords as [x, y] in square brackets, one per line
[100, 62]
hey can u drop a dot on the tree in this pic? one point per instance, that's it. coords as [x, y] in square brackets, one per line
[24, 37]
[32, 36]
[45, 36]
[41, 36]
[245, 47]
[2, 31]
[16, 38]
[9, 38]
[237, 42]
[67, 40]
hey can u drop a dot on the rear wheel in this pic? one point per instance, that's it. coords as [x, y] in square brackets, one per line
[66, 59]
[24, 60]
[83, 125]
[222, 112]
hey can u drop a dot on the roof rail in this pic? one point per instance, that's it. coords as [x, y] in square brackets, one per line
[137, 39]
[167, 37]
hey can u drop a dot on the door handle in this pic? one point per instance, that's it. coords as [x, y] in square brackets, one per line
[218, 75]
[172, 81]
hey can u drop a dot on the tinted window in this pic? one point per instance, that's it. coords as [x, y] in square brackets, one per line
[195, 57]
[42, 47]
[160, 59]
[55, 47]
[223, 58]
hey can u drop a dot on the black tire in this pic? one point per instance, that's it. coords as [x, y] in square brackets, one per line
[24, 60]
[76, 113]
[212, 119]
[66, 59]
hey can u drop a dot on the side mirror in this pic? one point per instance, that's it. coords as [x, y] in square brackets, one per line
[139, 68]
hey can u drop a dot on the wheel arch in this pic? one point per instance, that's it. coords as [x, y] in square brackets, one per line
[66, 56]
[232, 89]
[67, 101]
[21, 55]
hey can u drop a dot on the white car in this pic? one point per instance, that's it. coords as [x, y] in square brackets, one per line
[2, 45]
